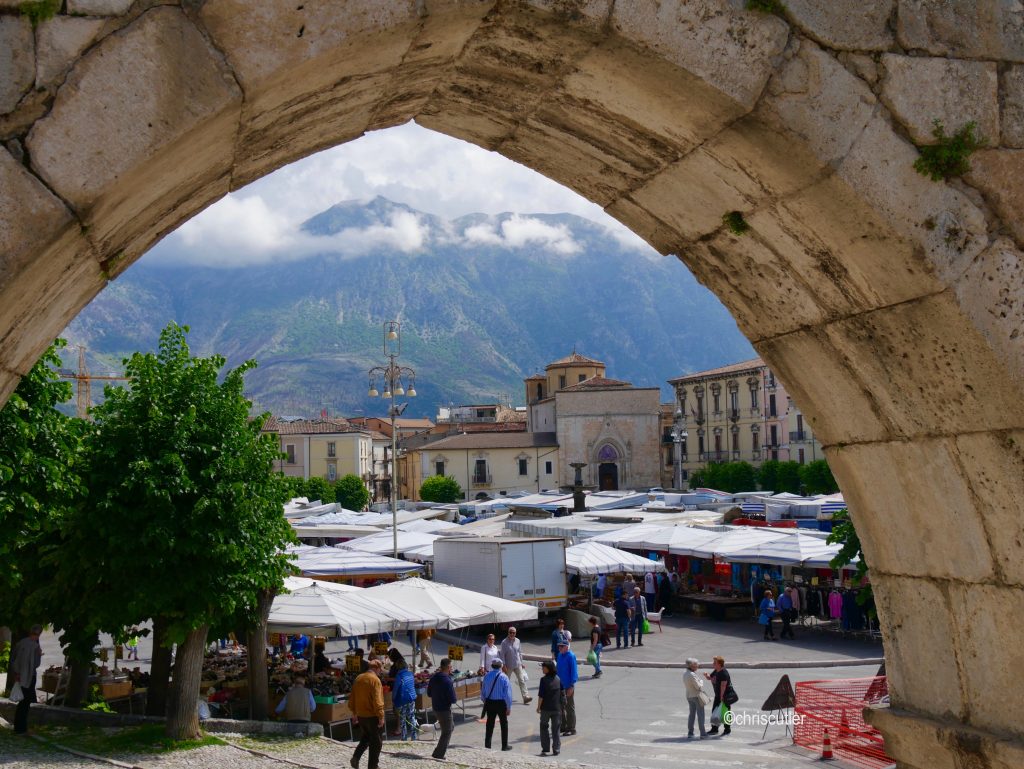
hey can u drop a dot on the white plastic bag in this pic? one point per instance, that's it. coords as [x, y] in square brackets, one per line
[16, 694]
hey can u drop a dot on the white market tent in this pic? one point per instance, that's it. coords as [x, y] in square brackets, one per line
[430, 526]
[291, 584]
[383, 542]
[317, 610]
[784, 551]
[588, 559]
[334, 562]
[728, 542]
[454, 606]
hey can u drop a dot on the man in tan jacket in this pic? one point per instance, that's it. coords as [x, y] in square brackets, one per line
[367, 704]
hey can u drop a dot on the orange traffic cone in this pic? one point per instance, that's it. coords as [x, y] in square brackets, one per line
[826, 747]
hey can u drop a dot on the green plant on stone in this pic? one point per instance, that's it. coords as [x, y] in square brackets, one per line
[948, 157]
[735, 223]
[37, 11]
[766, 6]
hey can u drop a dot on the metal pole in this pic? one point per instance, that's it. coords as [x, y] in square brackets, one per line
[394, 462]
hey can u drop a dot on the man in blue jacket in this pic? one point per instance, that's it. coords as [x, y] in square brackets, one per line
[496, 694]
[441, 691]
[568, 674]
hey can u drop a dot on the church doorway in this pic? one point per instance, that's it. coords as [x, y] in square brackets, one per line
[608, 476]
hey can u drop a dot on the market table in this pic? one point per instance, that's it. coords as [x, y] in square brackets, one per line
[718, 607]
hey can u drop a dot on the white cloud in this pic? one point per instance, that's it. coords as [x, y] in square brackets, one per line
[427, 171]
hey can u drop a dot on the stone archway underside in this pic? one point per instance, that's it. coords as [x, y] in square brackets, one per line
[889, 304]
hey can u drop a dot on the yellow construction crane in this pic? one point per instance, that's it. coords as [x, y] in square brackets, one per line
[83, 383]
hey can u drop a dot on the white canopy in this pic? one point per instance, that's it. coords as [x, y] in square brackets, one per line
[291, 584]
[589, 559]
[316, 610]
[457, 607]
[429, 526]
[788, 550]
[383, 542]
[333, 561]
[726, 543]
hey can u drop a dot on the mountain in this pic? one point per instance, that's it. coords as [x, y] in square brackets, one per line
[484, 301]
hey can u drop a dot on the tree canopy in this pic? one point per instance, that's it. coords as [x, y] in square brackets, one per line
[351, 493]
[440, 488]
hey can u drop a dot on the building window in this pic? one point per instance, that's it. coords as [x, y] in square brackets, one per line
[332, 472]
[771, 406]
[700, 446]
[289, 449]
[523, 469]
[756, 437]
[547, 468]
[800, 456]
[332, 450]
[583, 378]
[480, 471]
[753, 398]
[775, 435]
[439, 468]
[561, 381]
[718, 406]
[540, 391]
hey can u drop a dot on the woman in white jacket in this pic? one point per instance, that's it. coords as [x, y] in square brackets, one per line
[695, 695]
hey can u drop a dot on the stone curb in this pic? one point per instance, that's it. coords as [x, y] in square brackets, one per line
[766, 665]
[83, 754]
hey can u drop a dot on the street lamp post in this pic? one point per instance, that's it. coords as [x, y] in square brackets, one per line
[391, 377]
[678, 436]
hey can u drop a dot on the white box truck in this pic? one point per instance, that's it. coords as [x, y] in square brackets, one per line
[525, 569]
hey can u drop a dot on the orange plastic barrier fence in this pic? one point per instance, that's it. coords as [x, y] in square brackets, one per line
[837, 706]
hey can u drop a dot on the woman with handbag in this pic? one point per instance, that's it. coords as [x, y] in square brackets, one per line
[767, 611]
[696, 696]
[594, 655]
[725, 696]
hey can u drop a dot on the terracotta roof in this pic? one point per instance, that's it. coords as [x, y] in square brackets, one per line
[596, 383]
[520, 440]
[537, 378]
[308, 426]
[575, 359]
[494, 427]
[732, 368]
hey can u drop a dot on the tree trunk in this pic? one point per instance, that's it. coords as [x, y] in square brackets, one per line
[182, 710]
[78, 683]
[256, 647]
[160, 671]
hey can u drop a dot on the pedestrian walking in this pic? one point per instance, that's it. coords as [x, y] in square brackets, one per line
[25, 660]
[558, 635]
[425, 639]
[132, 644]
[511, 657]
[489, 652]
[496, 694]
[786, 613]
[766, 611]
[665, 594]
[367, 703]
[639, 607]
[595, 646]
[696, 696]
[568, 674]
[549, 705]
[622, 617]
[725, 696]
[627, 586]
[441, 691]
[650, 589]
[403, 695]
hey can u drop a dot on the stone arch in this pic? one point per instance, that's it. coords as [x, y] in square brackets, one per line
[900, 295]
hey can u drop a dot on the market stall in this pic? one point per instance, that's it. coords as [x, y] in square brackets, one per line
[335, 563]
[588, 559]
[383, 542]
[453, 607]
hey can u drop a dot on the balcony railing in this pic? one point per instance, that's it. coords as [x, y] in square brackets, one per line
[717, 456]
[479, 479]
[797, 435]
[734, 414]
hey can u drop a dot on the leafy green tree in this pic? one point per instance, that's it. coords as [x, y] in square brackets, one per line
[440, 488]
[350, 492]
[779, 476]
[731, 477]
[40, 460]
[817, 478]
[184, 507]
[295, 487]
[768, 475]
[318, 488]
[844, 534]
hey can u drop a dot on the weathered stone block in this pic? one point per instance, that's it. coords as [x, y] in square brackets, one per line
[942, 220]
[1011, 98]
[988, 630]
[99, 7]
[921, 90]
[661, 236]
[991, 294]
[815, 97]
[994, 464]
[911, 739]
[924, 482]
[61, 40]
[17, 60]
[594, 13]
[930, 369]
[152, 101]
[845, 24]
[918, 626]
[999, 175]
[957, 28]
[844, 412]
[731, 50]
